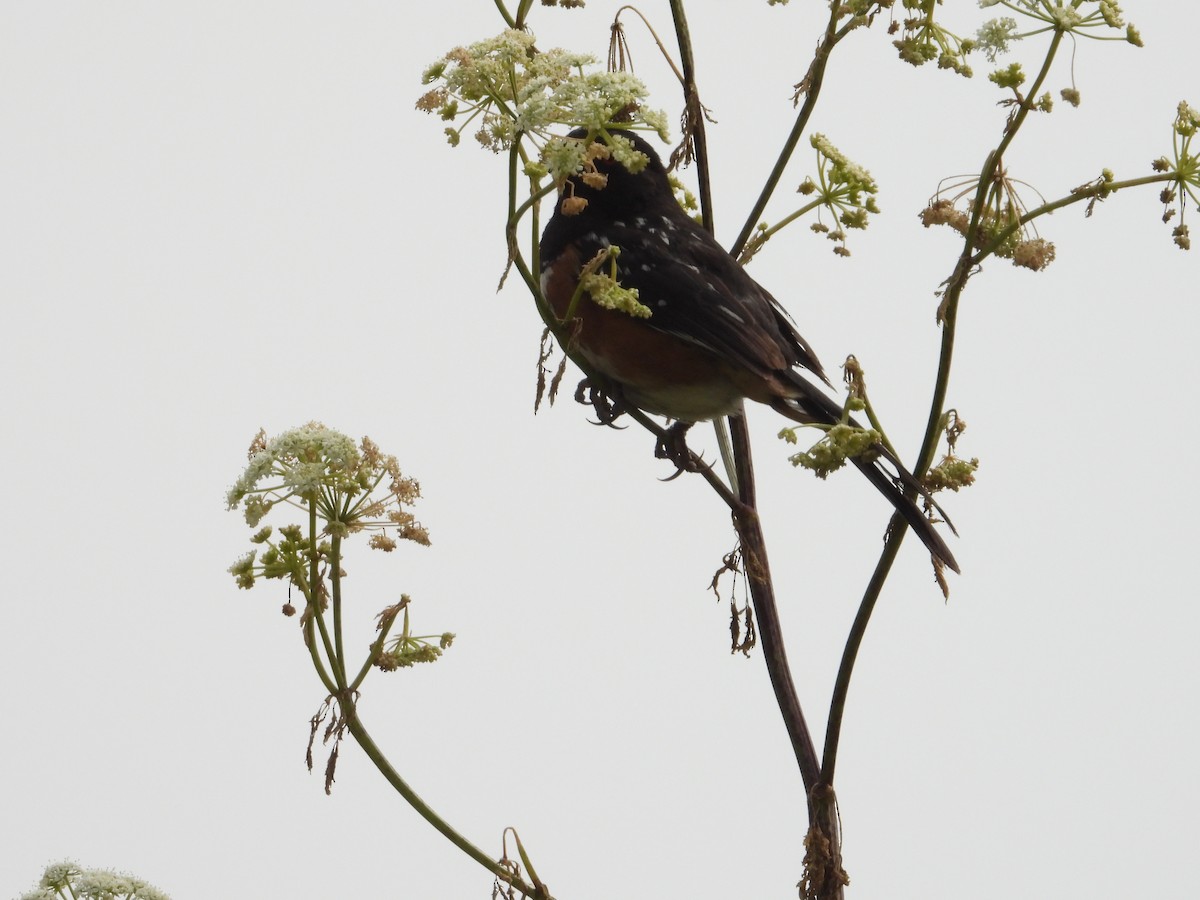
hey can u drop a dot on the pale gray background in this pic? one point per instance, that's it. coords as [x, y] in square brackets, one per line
[220, 215]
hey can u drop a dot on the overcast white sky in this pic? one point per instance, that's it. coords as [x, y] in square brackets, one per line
[221, 215]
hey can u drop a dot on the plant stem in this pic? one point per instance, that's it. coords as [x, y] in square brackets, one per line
[356, 728]
[335, 576]
[745, 516]
[314, 596]
[858, 630]
[373, 653]
[787, 220]
[814, 79]
[898, 527]
[523, 7]
[310, 641]
[1083, 193]
[762, 592]
[507, 16]
[695, 111]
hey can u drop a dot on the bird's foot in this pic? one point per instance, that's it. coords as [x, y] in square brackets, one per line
[673, 446]
[607, 408]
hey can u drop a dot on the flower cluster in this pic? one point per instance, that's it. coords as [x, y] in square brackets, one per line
[607, 292]
[67, 881]
[924, 40]
[844, 188]
[840, 443]
[407, 649]
[348, 488]
[953, 473]
[1000, 228]
[505, 87]
[1186, 168]
[995, 36]
[605, 288]
[563, 157]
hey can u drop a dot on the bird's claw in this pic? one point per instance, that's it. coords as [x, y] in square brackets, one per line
[608, 409]
[673, 446]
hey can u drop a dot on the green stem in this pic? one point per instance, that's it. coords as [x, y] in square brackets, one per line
[1085, 193]
[373, 654]
[878, 426]
[335, 576]
[898, 526]
[691, 100]
[310, 641]
[858, 630]
[523, 7]
[515, 212]
[966, 264]
[508, 19]
[768, 233]
[356, 728]
[316, 614]
[815, 77]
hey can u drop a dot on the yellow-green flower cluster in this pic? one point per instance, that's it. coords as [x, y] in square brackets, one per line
[416, 651]
[840, 443]
[843, 187]
[607, 292]
[924, 40]
[505, 87]
[406, 649]
[952, 474]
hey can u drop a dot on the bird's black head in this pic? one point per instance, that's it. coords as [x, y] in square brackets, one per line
[623, 192]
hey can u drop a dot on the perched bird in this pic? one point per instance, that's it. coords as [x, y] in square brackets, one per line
[713, 336]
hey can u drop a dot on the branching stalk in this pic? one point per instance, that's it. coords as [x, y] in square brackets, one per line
[898, 527]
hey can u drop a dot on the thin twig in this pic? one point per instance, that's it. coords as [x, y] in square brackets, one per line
[813, 81]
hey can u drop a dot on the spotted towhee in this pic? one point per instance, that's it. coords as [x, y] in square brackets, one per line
[713, 336]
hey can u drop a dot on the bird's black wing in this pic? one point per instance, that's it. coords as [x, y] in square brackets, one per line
[696, 291]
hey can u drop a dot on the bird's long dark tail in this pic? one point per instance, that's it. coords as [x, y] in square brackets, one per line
[896, 487]
[894, 491]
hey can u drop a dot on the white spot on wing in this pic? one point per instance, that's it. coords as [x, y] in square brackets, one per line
[592, 238]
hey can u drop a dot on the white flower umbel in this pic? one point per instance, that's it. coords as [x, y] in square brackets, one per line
[67, 881]
[505, 88]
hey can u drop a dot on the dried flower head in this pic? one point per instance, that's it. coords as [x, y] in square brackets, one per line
[1000, 225]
